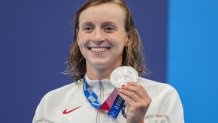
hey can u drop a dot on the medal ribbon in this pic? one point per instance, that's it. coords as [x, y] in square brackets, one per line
[113, 104]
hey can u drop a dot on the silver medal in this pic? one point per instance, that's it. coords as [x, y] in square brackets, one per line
[121, 75]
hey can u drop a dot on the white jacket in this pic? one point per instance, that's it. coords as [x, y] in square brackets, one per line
[165, 107]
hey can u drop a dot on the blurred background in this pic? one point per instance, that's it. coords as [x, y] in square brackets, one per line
[180, 41]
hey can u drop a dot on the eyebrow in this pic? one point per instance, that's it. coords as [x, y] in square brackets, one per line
[104, 23]
[87, 23]
[109, 23]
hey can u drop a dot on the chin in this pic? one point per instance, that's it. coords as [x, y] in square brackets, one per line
[101, 66]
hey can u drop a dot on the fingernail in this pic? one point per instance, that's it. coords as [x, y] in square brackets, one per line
[123, 86]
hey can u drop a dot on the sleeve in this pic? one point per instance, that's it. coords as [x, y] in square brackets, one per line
[38, 117]
[166, 107]
[175, 111]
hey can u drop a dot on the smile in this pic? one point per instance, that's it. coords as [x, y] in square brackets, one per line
[98, 49]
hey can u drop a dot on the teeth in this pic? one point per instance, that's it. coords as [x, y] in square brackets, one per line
[98, 49]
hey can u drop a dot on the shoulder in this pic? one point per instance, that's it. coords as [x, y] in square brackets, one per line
[154, 84]
[60, 96]
[64, 90]
[155, 88]
[55, 101]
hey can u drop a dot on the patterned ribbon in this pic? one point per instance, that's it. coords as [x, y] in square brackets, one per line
[113, 104]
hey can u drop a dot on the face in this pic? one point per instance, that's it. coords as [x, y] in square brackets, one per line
[101, 36]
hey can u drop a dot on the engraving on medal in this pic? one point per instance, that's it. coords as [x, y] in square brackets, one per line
[121, 75]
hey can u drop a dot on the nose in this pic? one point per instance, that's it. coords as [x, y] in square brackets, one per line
[98, 35]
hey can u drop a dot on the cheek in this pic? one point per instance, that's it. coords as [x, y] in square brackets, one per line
[81, 47]
[120, 43]
[80, 38]
[80, 42]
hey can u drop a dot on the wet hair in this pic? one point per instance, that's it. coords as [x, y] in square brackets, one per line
[132, 53]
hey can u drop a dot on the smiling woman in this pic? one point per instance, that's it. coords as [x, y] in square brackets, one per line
[106, 42]
[113, 21]
[102, 38]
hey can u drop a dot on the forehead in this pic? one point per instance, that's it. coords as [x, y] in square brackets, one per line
[103, 12]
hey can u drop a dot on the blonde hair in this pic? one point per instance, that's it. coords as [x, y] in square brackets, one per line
[132, 53]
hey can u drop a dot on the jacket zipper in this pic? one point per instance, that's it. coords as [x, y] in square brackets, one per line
[100, 99]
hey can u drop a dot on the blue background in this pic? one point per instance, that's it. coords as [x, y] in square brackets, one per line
[179, 37]
[192, 57]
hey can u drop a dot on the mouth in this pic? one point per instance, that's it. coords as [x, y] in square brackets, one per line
[99, 49]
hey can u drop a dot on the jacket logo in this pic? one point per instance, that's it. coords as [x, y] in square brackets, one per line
[67, 112]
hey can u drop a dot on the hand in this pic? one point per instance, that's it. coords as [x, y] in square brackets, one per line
[137, 100]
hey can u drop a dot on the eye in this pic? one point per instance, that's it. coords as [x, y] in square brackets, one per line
[88, 29]
[109, 29]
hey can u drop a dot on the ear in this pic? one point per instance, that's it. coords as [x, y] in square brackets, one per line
[77, 37]
[127, 41]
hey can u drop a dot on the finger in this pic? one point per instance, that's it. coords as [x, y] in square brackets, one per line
[133, 84]
[138, 86]
[131, 95]
[138, 89]
[127, 99]
[130, 87]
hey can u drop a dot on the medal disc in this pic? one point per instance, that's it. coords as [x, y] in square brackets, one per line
[121, 75]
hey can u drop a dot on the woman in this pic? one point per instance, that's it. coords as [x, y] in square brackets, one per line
[105, 38]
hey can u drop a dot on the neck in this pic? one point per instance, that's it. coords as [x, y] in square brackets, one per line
[99, 74]
[94, 74]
